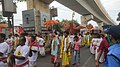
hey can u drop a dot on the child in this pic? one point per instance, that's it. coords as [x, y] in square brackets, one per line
[76, 50]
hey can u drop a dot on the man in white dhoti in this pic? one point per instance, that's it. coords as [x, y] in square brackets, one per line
[41, 43]
[34, 50]
[95, 45]
[4, 51]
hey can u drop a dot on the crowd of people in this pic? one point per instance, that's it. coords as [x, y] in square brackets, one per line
[20, 51]
[23, 50]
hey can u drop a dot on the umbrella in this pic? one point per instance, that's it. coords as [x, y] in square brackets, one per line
[51, 22]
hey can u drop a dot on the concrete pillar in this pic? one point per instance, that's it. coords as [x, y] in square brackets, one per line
[85, 19]
[39, 7]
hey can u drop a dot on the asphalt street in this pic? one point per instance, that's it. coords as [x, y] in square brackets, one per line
[86, 59]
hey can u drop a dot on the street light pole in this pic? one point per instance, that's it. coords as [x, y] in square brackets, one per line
[13, 25]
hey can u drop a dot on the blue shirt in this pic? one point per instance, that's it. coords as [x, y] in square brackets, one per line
[110, 60]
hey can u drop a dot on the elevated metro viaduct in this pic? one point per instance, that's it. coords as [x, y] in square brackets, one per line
[89, 9]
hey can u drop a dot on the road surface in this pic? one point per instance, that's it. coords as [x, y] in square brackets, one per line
[87, 60]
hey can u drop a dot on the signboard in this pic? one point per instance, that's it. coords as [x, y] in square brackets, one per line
[53, 12]
[28, 18]
[8, 8]
[44, 17]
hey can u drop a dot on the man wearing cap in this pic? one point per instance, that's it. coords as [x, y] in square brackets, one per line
[4, 50]
[113, 55]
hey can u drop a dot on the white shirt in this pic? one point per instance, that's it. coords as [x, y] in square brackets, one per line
[71, 38]
[22, 51]
[5, 49]
[96, 41]
[10, 41]
[40, 41]
[27, 42]
[34, 56]
[65, 47]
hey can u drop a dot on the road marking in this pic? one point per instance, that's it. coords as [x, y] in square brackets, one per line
[87, 61]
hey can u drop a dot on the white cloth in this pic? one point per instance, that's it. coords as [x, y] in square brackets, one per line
[42, 51]
[34, 56]
[5, 49]
[96, 55]
[10, 42]
[27, 42]
[95, 46]
[35, 48]
[32, 63]
[2, 64]
[92, 49]
[102, 58]
[26, 65]
[33, 59]
[95, 43]
[71, 38]
[65, 47]
[22, 51]
[41, 43]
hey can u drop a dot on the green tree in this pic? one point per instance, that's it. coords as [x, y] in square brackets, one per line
[2, 20]
[58, 27]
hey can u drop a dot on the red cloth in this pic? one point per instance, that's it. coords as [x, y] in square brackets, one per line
[104, 45]
[34, 44]
[52, 59]
[41, 46]
[10, 29]
[3, 58]
[20, 30]
[72, 30]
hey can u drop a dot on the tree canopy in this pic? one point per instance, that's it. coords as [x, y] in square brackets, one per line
[58, 27]
[2, 20]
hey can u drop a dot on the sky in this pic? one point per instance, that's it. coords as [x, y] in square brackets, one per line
[111, 6]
